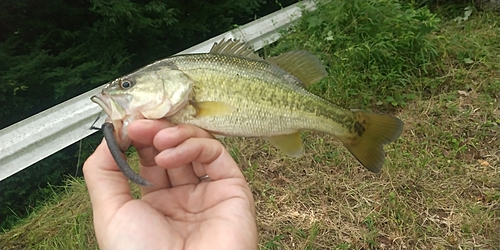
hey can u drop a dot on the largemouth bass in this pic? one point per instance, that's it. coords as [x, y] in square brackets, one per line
[231, 91]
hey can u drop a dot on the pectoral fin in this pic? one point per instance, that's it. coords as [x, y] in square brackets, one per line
[290, 144]
[212, 108]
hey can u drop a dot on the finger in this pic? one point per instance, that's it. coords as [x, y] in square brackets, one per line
[150, 171]
[217, 162]
[142, 133]
[199, 170]
[173, 136]
[158, 176]
[108, 187]
[170, 137]
[183, 175]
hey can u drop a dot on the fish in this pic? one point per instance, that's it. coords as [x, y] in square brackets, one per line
[232, 91]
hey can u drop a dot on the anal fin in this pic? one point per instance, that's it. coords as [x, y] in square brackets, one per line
[290, 144]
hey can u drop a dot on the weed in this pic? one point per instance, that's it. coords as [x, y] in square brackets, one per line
[273, 243]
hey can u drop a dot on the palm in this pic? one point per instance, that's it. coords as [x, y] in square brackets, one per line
[179, 211]
[186, 213]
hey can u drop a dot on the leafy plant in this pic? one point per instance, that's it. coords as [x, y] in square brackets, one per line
[373, 48]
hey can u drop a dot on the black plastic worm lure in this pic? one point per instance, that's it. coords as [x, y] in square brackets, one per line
[107, 130]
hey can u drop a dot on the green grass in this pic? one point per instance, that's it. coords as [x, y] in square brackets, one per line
[439, 188]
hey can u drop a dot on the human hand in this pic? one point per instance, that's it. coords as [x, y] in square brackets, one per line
[180, 211]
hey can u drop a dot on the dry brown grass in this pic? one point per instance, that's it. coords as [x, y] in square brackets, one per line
[439, 189]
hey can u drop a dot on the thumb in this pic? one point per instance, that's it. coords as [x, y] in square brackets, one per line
[108, 187]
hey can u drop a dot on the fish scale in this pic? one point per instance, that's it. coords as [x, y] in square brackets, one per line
[264, 103]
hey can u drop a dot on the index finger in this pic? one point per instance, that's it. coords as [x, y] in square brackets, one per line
[212, 155]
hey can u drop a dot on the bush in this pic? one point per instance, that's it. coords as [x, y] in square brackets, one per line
[373, 48]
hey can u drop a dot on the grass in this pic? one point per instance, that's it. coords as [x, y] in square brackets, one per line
[439, 188]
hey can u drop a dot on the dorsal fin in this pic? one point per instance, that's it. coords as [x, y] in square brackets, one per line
[233, 47]
[302, 64]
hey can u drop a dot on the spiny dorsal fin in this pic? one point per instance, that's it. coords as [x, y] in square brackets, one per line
[301, 64]
[233, 47]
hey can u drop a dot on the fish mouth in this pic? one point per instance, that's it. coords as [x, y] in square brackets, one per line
[116, 116]
[103, 101]
[111, 107]
[116, 137]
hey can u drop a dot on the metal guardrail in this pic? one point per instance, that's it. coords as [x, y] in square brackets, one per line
[49, 131]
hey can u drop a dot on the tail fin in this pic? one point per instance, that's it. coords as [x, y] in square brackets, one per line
[371, 132]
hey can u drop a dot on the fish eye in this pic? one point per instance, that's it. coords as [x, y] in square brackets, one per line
[125, 84]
